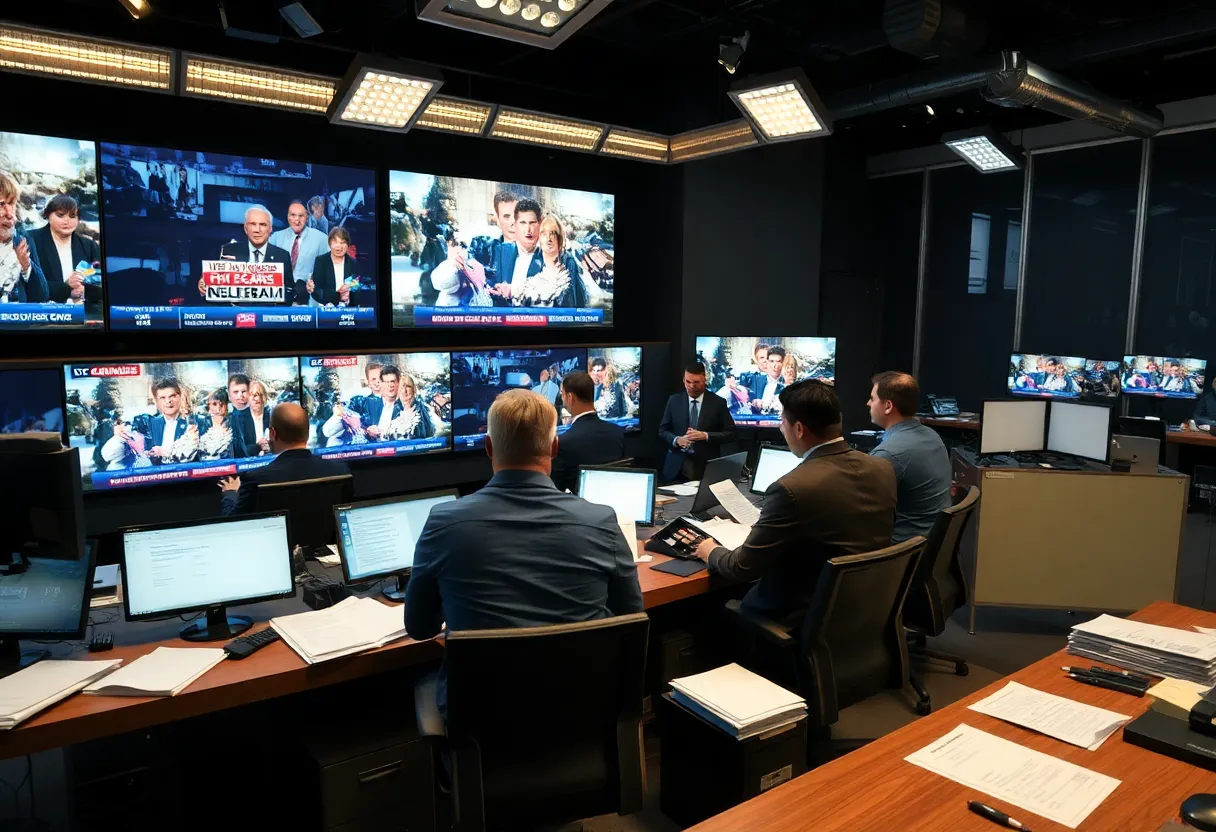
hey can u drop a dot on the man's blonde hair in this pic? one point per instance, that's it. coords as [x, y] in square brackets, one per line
[522, 426]
[10, 191]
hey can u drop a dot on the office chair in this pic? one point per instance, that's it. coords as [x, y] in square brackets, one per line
[310, 506]
[938, 589]
[544, 723]
[1148, 428]
[852, 643]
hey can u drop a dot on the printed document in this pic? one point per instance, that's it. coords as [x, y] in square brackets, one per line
[1055, 716]
[736, 505]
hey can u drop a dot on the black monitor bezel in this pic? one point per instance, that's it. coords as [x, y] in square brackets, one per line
[381, 501]
[759, 455]
[209, 521]
[90, 554]
[654, 482]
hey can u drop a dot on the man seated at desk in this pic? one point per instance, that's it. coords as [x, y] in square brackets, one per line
[1205, 410]
[518, 553]
[837, 501]
[590, 440]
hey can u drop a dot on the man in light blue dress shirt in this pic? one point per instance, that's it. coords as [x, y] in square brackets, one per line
[302, 242]
[916, 452]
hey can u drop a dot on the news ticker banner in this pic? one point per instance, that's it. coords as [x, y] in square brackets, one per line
[470, 442]
[393, 447]
[176, 472]
[241, 317]
[42, 314]
[506, 316]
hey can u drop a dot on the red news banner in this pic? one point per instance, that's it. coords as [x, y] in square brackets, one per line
[227, 281]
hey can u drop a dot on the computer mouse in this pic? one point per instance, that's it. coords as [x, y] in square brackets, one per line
[1199, 811]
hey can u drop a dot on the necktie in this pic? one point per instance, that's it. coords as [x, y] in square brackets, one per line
[693, 412]
[257, 255]
[295, 251]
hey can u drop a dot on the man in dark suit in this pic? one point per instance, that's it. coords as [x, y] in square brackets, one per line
[589, 440]
[518, 553]
[238, 401]
[62, 215]
[614, 405]
[838, 501]
[257, 248]
[694, 427]
[764, 388]
[154, 436]
[293, 461]
[515, 262]
[21, 277]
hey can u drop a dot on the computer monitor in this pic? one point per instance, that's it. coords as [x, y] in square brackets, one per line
[774, 463]
[1008, 427]
[376, 538]
[42, 598]
[43, 513]
[944, 405]
[1079, 429]
[628, 491]
[206, 565]
[310, 507]
[716, 470]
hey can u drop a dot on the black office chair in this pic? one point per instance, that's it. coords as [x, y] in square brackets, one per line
[938, 590]
[852, 644]
[310, 506]
[544, 723]
[1149, 429]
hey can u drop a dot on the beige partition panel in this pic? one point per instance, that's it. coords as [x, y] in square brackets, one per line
[1078, 540]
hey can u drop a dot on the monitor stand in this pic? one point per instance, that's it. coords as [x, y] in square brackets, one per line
[397, 593]
[12, 659]
[218, 626]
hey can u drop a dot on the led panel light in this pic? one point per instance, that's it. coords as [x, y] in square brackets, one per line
[781, 106]
[710, 141]
[542, 23]
[984, 149]
[206, 77]
[552, 131]
[455, 115]
[634, 144]
[44, 52]
[383, 94]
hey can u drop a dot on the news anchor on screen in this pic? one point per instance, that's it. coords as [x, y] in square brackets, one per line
[60, 249]
[251, 426]
[257, 248]
[304, 245]
[331, 270]
[21, 276]
[694, 427]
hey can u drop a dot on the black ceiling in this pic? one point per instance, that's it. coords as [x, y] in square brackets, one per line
[652, 64]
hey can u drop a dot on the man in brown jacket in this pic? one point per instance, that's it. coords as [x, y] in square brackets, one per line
[837, 501]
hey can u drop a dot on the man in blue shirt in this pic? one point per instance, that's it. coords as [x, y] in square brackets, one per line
[916, 452]
[518, 553]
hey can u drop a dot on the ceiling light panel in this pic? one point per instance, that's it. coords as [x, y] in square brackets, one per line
[782, 106]
[206, 77]
[710, 141]
[384, 95]
[543, 23]
[984, 149]
[634, 144]
[551, 131]
[43, 52]
[455, 115]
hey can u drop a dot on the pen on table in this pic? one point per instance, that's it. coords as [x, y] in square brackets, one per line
[1121, 676]
[1109, 684]
[995, 815]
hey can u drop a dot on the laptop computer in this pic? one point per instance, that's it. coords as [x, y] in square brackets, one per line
[1139, 452]
[944, 405]
[716, 470]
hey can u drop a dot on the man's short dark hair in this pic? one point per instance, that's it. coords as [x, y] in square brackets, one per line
[525, 205]
[390, 370]
[777, 350]
[504, 196]
[579, 385]
[238, 378]
[900, 389]
[696, 368]
[815, 405]
[166, 383]
[599, 362]
[61, 204]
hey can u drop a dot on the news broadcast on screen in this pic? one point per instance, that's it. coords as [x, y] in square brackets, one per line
[148, 423]
[1101, 378]
[385, 405]
[477, 253]
[478, 377]
[199, 240]
[50, 228]
[1046, 376]
[1164, 377]
[617, 375]
[31, 401]
[750, 372]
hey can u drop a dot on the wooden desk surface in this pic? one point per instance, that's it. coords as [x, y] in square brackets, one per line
[961, 423]
[873, 788]
[1191, 437]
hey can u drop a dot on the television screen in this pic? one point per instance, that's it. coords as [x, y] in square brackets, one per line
[1046, 376]
[1101, 378]
[50, 264]
[470, 252]
[141, 424]
[478, 377]
[617, 373]
[751, 372]
[31, 400]
[1170, 378]
[378, 405]
[211, 241]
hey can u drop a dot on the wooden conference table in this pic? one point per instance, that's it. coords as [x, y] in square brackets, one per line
[873, 788]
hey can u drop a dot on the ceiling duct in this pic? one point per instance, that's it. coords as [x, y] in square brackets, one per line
[933, 28]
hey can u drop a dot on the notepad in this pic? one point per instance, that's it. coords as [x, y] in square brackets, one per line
[1056, 716]
[166, 671]
[731, 535]
[41, 685]
[354, 625]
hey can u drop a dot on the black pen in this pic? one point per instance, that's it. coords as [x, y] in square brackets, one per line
[1109, 684]
[995, 815]
[1114, 675]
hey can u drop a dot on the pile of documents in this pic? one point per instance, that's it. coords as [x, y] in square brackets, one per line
[41, 685]
[1147, 648]
[166, 671]
[738, 701]
[355, 625]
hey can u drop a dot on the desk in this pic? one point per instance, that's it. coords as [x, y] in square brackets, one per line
[1190, 437]
[873, 788]
[970, 422]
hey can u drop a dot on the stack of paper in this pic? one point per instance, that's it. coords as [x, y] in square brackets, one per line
[1148, 648]
[1055, 716]
[41, 685]
[738, 701]
[355, 625]
[166, 671]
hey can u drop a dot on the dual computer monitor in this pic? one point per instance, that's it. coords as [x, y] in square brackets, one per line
[1077, 429]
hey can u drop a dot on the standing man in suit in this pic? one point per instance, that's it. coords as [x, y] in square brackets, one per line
[694, 427]
[615, 405]
[765, 388]
[302, 243]
[155, 434]
[837, 501]
[257, 248]
[589, 440]
[518, 553]
[60, 248]
[293, 461]
[21, 277]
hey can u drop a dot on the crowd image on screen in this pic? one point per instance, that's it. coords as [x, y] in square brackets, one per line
[1101, 378]
[616, 374]
[1046, 376]
[1164, 376]
[750, 373]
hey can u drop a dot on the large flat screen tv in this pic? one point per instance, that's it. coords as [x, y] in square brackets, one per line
[749, 372]
[480, 253]
[50, 227]
[1163, 376]
[617, 374]
[212, 241]
[1046, 376]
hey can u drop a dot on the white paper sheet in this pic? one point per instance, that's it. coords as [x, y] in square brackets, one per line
[1055, 716]
[37, 687]
[1036, 782]
[687, 489]
[736, 505]
[1207, 631]
[332, 559]
[166, 671]
[731, 535]
[630, 529]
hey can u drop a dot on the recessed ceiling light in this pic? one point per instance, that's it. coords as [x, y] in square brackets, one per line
[543, 23]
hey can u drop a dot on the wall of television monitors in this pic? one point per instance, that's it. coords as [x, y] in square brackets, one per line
[1069, 377]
